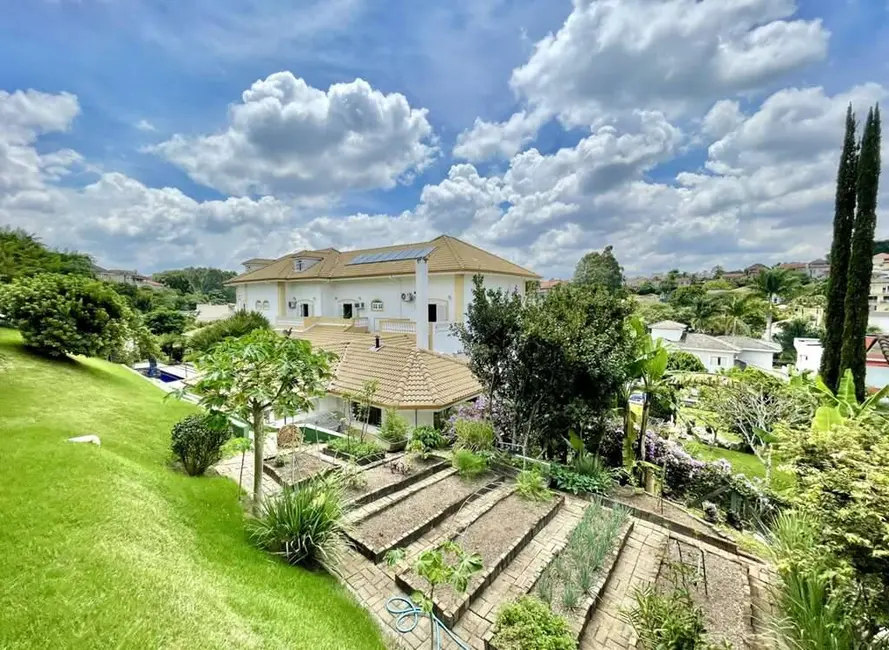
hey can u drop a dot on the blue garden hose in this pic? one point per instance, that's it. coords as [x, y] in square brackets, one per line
[408, 616]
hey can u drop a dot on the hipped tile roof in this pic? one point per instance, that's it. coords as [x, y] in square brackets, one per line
[451, 255]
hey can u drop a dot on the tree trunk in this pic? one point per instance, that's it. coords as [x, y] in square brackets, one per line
[241, 473]
[769, 319]
[258, 435]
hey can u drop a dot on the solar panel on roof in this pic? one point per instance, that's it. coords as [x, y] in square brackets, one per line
[392, 256]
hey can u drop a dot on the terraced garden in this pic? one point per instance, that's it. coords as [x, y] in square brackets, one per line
[528, 547]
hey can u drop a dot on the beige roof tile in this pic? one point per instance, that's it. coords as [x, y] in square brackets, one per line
[408, 378]
[451, 255]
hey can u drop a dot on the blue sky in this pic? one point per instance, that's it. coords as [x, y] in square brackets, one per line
[598, 126]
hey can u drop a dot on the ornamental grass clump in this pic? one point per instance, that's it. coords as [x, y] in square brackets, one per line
[531, 485]
[469, 464]
[304, 525]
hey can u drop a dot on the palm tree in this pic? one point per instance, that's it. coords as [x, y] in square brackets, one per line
[699, 311]
[772, 284]
[737, 310]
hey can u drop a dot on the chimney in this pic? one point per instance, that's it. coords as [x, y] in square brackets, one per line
[422, 302]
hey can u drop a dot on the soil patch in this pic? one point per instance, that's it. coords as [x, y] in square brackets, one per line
[387, 528]
[297, 467]
[394, 474]
[493, 534]
[719, 586]
[668, 510]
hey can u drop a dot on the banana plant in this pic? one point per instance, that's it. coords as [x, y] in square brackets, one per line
[647, 374]
[843, 406]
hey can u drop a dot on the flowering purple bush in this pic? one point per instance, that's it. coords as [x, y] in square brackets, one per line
[476, 411]
[694, 480]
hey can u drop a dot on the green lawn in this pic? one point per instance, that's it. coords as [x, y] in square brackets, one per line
[108, 546]
[742, 463]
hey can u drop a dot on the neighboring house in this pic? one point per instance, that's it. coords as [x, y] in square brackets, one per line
[420, 384]
[818, 269]
[717, 352]
[798, 267]
[878, 298]
[123, 276]
[809, 352]
[205, 313]
[546, 286]
[755, 269]
[419, 289]
[881, 262]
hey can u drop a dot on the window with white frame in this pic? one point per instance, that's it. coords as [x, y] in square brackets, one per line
[265, 304]
[716, 361]
[376, 305]
[258, 304]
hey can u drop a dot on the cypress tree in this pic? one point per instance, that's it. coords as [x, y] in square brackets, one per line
[843, 218]
[861, 260]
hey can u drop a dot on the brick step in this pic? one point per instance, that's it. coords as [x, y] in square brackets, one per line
[449, 605]
[398, 485]
[447, 494]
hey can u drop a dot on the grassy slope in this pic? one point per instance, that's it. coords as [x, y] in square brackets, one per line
[742, 463]
[109, 547]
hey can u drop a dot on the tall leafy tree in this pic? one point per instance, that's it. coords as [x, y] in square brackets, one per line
[66, 314]
[258, 374]
[490, 334]
[203, 281]
[840, 250]
[597, 269]
[852, 354]
[737, 312]
[23, 254]
[775, 283]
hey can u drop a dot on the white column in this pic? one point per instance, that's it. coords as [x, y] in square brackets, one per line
[422, 283]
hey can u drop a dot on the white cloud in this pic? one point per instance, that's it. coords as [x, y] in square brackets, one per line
[287, 137]
[499, 139]
[145, 125]
[667, 55]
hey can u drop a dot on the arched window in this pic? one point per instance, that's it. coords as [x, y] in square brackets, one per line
[265, 304]
[259, 304]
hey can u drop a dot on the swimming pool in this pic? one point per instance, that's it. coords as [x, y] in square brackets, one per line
[164, 376]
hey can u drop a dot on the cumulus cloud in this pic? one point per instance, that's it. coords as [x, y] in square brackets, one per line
[115, 217]
[667, 55]
[499, 139]
[290, 138]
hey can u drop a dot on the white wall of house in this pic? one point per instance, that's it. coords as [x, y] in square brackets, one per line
[326, 298]
[670, 334]
[260, 297]
[808, 354]
[764, 360]
[713, 360]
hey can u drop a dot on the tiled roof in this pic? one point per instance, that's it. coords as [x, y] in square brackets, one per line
[748, 343]
[668, 325]
[451, 255]
[258, 260]
[549, 284]
[693, 341]
[408, 378]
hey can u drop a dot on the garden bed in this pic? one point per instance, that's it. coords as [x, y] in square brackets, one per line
[579, 615]
[383, 480]
[364, 460]
[719, 586]
[307, 466]
[497, 535]
[672, 516]
[407, 519]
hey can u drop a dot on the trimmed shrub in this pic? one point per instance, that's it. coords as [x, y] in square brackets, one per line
[429, 437]
[172, 345]
[304, 525]
[166, 321]
[238, 324]
[529, 624]
[197, 444]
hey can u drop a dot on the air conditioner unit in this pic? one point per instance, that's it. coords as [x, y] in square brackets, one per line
[408, 296]
[359, 305]
[291, 304]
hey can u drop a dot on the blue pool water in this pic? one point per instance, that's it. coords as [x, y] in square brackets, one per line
[163, 376]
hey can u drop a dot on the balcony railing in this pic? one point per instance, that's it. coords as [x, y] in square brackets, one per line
[397, 326]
